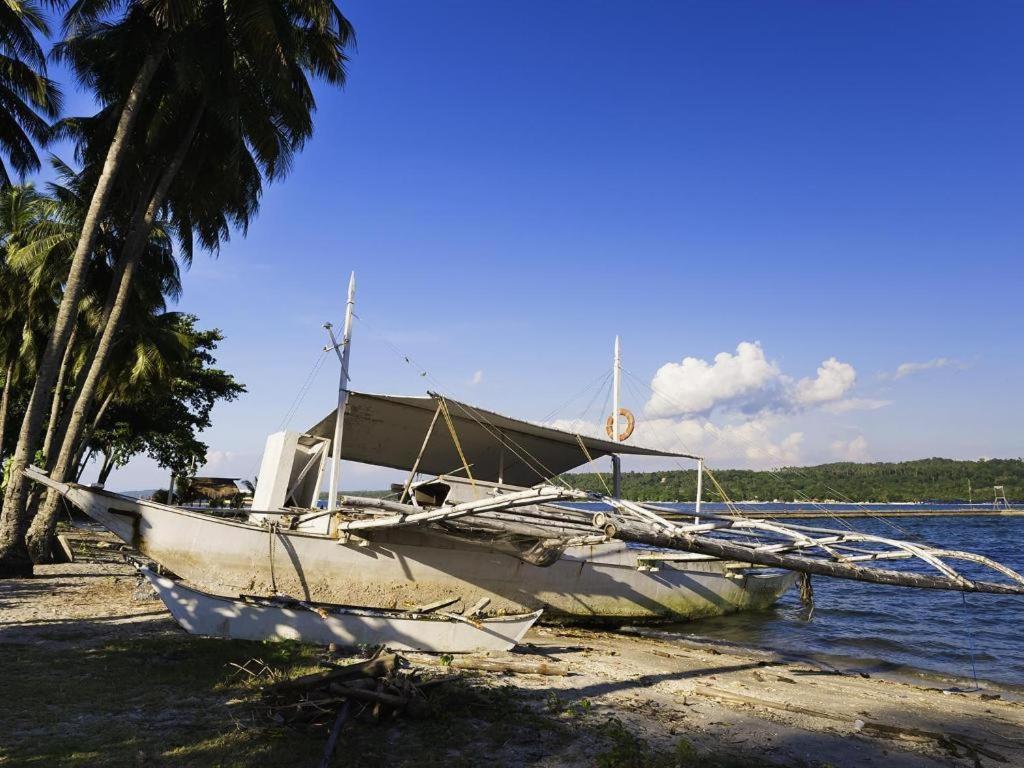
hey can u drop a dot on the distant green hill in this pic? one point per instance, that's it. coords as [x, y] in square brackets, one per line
[922, 480]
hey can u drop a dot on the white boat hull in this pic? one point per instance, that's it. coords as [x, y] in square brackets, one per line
[207, 615]
[412, 566]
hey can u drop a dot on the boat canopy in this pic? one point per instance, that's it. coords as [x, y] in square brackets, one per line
[389, 431]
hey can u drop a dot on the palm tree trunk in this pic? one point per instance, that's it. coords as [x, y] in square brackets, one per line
[5, 402]
[14, 556]
[83, 459]
[108, 465]
[39, 538]
[51, 428]
[43, 526]
[84, 452]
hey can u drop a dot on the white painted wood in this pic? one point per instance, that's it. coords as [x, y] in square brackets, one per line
[275, 473]
[199, 613]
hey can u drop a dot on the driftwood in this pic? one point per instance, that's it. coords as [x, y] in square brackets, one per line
[944, 739]
[729, 697]
[378, 666]
[376, 686]
[510, 667]
[332, 740]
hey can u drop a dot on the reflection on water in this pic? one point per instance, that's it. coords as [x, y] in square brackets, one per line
[884, 628]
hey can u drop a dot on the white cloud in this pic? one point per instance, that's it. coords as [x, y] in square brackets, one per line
[746, 382]
[834, 380]
[740, 409]
[477, 377]
[856, 404]
[695, 386]
[759, 441]
[851, 450]
[910, 368]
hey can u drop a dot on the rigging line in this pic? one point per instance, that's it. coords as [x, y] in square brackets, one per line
[663, 431]
[303, 390]
[598, 381]
[455, 439]
[576, 429]
[503, 439]
[582, 419]
[300, 396]
[796, 470]
[590, 460]
[508, 442]
[546, 475]
[826, 512]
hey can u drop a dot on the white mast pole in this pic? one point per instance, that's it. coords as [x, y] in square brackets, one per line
[339, 422]
[616, 370]
[616, 462]
[700, 489]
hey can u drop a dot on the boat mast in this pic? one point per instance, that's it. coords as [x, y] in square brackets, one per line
[342, 350]
[616, 461]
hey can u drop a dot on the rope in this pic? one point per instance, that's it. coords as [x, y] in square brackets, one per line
[807, 595]
[970, 641]
[272, 529]
[501, 438]
[590, 460]
[443, 404]
[599, 381]
[300, 396]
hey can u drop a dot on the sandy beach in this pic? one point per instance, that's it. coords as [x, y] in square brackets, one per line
[98, 674]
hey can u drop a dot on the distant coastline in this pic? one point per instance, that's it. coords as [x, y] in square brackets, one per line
[935, 480]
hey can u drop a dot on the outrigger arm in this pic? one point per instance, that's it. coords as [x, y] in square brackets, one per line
[804, 549]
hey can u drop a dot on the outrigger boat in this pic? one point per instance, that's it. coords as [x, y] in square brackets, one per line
[495, 520]
[428, 629]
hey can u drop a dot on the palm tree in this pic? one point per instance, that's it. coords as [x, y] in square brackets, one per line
[144, 347]
[27, 97]
[150, 36]
[22, 210]
[231, 103]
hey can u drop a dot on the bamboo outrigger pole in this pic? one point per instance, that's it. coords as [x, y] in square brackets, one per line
[339, 424]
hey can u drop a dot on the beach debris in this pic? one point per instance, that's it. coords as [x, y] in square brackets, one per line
[377, 688]
[951, 742]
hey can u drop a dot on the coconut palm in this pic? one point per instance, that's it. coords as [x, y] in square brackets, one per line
[141, 351]
[27, 96]
[151, 35]
[232, 102]
[22, 210]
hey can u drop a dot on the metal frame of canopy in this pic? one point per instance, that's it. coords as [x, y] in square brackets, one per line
[394, 431]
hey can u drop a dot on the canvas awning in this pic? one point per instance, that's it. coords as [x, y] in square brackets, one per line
[388, 431]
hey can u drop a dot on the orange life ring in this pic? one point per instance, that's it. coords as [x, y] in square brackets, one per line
[630, 424]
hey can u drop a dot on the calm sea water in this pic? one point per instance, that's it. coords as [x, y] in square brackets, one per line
[893, 629]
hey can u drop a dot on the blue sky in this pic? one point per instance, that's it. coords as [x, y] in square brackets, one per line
[514, 184]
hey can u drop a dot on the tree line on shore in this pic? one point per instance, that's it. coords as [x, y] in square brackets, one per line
[935, 479]
[200, 104]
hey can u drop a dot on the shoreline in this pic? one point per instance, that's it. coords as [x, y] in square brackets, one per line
[100, 675]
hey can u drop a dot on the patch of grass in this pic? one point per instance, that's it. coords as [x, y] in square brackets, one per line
[137, 702]
[165, 702]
